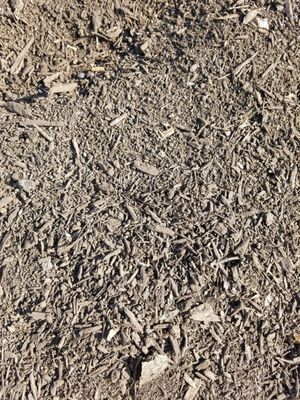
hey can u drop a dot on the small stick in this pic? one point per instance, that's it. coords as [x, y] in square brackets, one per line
[21, 56]
[241, 66]
[117, 120]
[289, 10]
[36, 122]
[43, 133]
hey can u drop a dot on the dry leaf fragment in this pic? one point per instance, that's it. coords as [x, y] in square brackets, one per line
[204, 313]
[146, 168]
[250, 16]
[153, 369]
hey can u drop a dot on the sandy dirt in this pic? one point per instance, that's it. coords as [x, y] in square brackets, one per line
[149, 200]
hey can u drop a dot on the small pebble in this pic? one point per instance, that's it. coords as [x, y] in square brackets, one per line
[81, 75]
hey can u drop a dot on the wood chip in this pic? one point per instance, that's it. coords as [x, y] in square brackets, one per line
[146, 168]
[91, 329]
[289, 10]
[237, 70]
[16, 5]
[153, 369]
[49, 79]
[167, 133]
[37, 122]
[37, 315]
[15, 67]
[159, 228]
[5, 201]
[189, 380]
[250, 16]
[26, 184]
[262, 23]
[44, 134]
[204, 313]
[193, 390]
[18, 108]
[76, 148]
[62, 88]
[118, 120]
[134, 322]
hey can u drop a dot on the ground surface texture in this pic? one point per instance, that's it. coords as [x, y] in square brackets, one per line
[149, 199]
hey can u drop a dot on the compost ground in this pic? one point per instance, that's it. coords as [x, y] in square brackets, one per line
[149, 200]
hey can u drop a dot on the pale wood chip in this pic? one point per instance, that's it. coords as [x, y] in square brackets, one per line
[132, 318]
[293, 177]
[131, 212]
[44, 134]
[250, 16]
[14, 68]
[189, 381]
[204, 313]
[153, 369]
[159, 228]
[91, 329]
[76, 148]
[37, 122]
[38, 315]
[289, 10]
[238, 69]
[193, 391]
[33, 386]
[62, 88]
[146, 168]
[18, 108]
[49, 79]
[118, 120]
[167, 133]
[5, 201]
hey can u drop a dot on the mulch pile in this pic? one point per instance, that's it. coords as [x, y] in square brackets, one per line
[149, 199]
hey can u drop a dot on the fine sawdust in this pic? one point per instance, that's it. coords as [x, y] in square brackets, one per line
[149, 199]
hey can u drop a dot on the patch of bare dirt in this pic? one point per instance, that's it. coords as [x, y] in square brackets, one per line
[149, 200]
